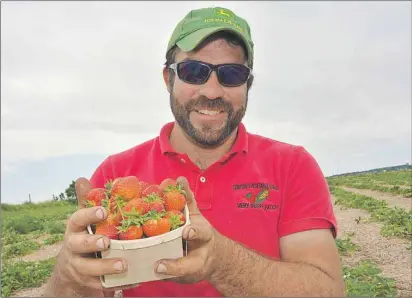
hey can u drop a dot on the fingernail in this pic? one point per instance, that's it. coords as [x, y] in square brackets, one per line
[118, 266]
[161, 268]
[100, 243]
[99, 213]
[192, 233]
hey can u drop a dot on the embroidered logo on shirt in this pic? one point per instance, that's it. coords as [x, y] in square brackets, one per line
[256, 197]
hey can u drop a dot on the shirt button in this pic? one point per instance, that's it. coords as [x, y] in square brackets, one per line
[202, 179]
[183, 160]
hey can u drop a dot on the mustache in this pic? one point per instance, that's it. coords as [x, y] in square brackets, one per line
[204, 103]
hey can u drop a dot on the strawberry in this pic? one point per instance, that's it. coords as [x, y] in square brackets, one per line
[114, 219]
[107, 229]
[166, 183]
[156, 225]
[95, 197]
[143, 185]
[152, 189]
[154, 202]
[136, 205]
[176, 218]
[115, 204]
[131, 232]
[127, 188]
[172, 213]
[174, 198]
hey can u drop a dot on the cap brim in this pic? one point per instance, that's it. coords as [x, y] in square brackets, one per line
[190, 42]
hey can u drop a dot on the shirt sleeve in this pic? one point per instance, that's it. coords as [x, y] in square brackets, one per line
[307, 201]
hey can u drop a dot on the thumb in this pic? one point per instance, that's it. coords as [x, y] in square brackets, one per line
[190, 197]
[82, 186]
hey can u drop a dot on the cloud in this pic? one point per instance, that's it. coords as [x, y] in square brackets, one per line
[85, 77]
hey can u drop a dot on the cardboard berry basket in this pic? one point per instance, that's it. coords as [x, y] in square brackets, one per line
[142, 254]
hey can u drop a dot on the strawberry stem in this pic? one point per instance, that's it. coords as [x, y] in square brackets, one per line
[119, 208]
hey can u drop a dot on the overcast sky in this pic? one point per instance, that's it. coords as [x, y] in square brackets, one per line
[82, 80]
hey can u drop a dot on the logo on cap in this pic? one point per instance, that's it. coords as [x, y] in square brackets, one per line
[224, 13]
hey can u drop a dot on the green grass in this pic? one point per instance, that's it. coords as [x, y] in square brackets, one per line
[41, 217]
[53, 239]
[345, 246]
[18, 249]
[366, 280]
[23, 224]
[396, 221]
[396, 182]
[22, 275]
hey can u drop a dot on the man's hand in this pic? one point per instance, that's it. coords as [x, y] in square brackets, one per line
[309, 265]
[77, 271]
[204, 244]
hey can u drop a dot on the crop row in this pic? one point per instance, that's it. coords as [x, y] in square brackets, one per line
[396, 190]
[396, 221]
[394, 178]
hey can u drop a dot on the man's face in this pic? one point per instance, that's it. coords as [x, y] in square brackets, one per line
[209, 113]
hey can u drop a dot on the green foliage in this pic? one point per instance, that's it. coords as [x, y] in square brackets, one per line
[21, 275]
[18, 249]
[10, 236]
[397, 221]
[71, 193]
[55, 227]
[53, 239]
[394, 182]
[365, 280]
[345, 246]
[24, 224]
[41, 217]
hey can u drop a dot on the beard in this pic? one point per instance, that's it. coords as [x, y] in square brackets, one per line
[207, 136]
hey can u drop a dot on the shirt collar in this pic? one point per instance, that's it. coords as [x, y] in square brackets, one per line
[240, 145]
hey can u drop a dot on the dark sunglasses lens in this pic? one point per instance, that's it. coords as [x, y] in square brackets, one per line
[193, 72]
[233, 75]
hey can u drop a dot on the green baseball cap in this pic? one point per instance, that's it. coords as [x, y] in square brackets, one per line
[198, 24]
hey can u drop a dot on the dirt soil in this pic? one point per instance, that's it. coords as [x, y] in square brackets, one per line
[392, 200]
[391, 255]
[44, 253]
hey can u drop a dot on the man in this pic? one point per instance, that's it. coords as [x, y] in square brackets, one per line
[262, 222]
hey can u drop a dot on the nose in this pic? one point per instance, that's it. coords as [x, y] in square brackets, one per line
[212, 89]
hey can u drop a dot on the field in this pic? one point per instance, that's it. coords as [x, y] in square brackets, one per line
[374, 238]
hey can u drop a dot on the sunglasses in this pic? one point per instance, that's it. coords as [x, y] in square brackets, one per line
[196, 72]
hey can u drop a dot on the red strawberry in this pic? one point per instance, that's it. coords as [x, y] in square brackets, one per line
[115, 204]
[156, 226]
[136, 205]
[130, 233]
[143, 185]
[152, 189]
[127, 188]
[174, 198]
[176, 218]
[114, 219]
[155, 202]
[179, 214]
[109, 230]
[95, 197]
[112, 204]
[166, 183]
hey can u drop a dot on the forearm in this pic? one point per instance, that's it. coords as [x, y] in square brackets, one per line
[242, 272]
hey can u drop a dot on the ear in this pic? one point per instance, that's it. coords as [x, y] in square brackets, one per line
[166, 78]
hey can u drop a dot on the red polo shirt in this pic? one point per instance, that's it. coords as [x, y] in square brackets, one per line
[260, 191]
